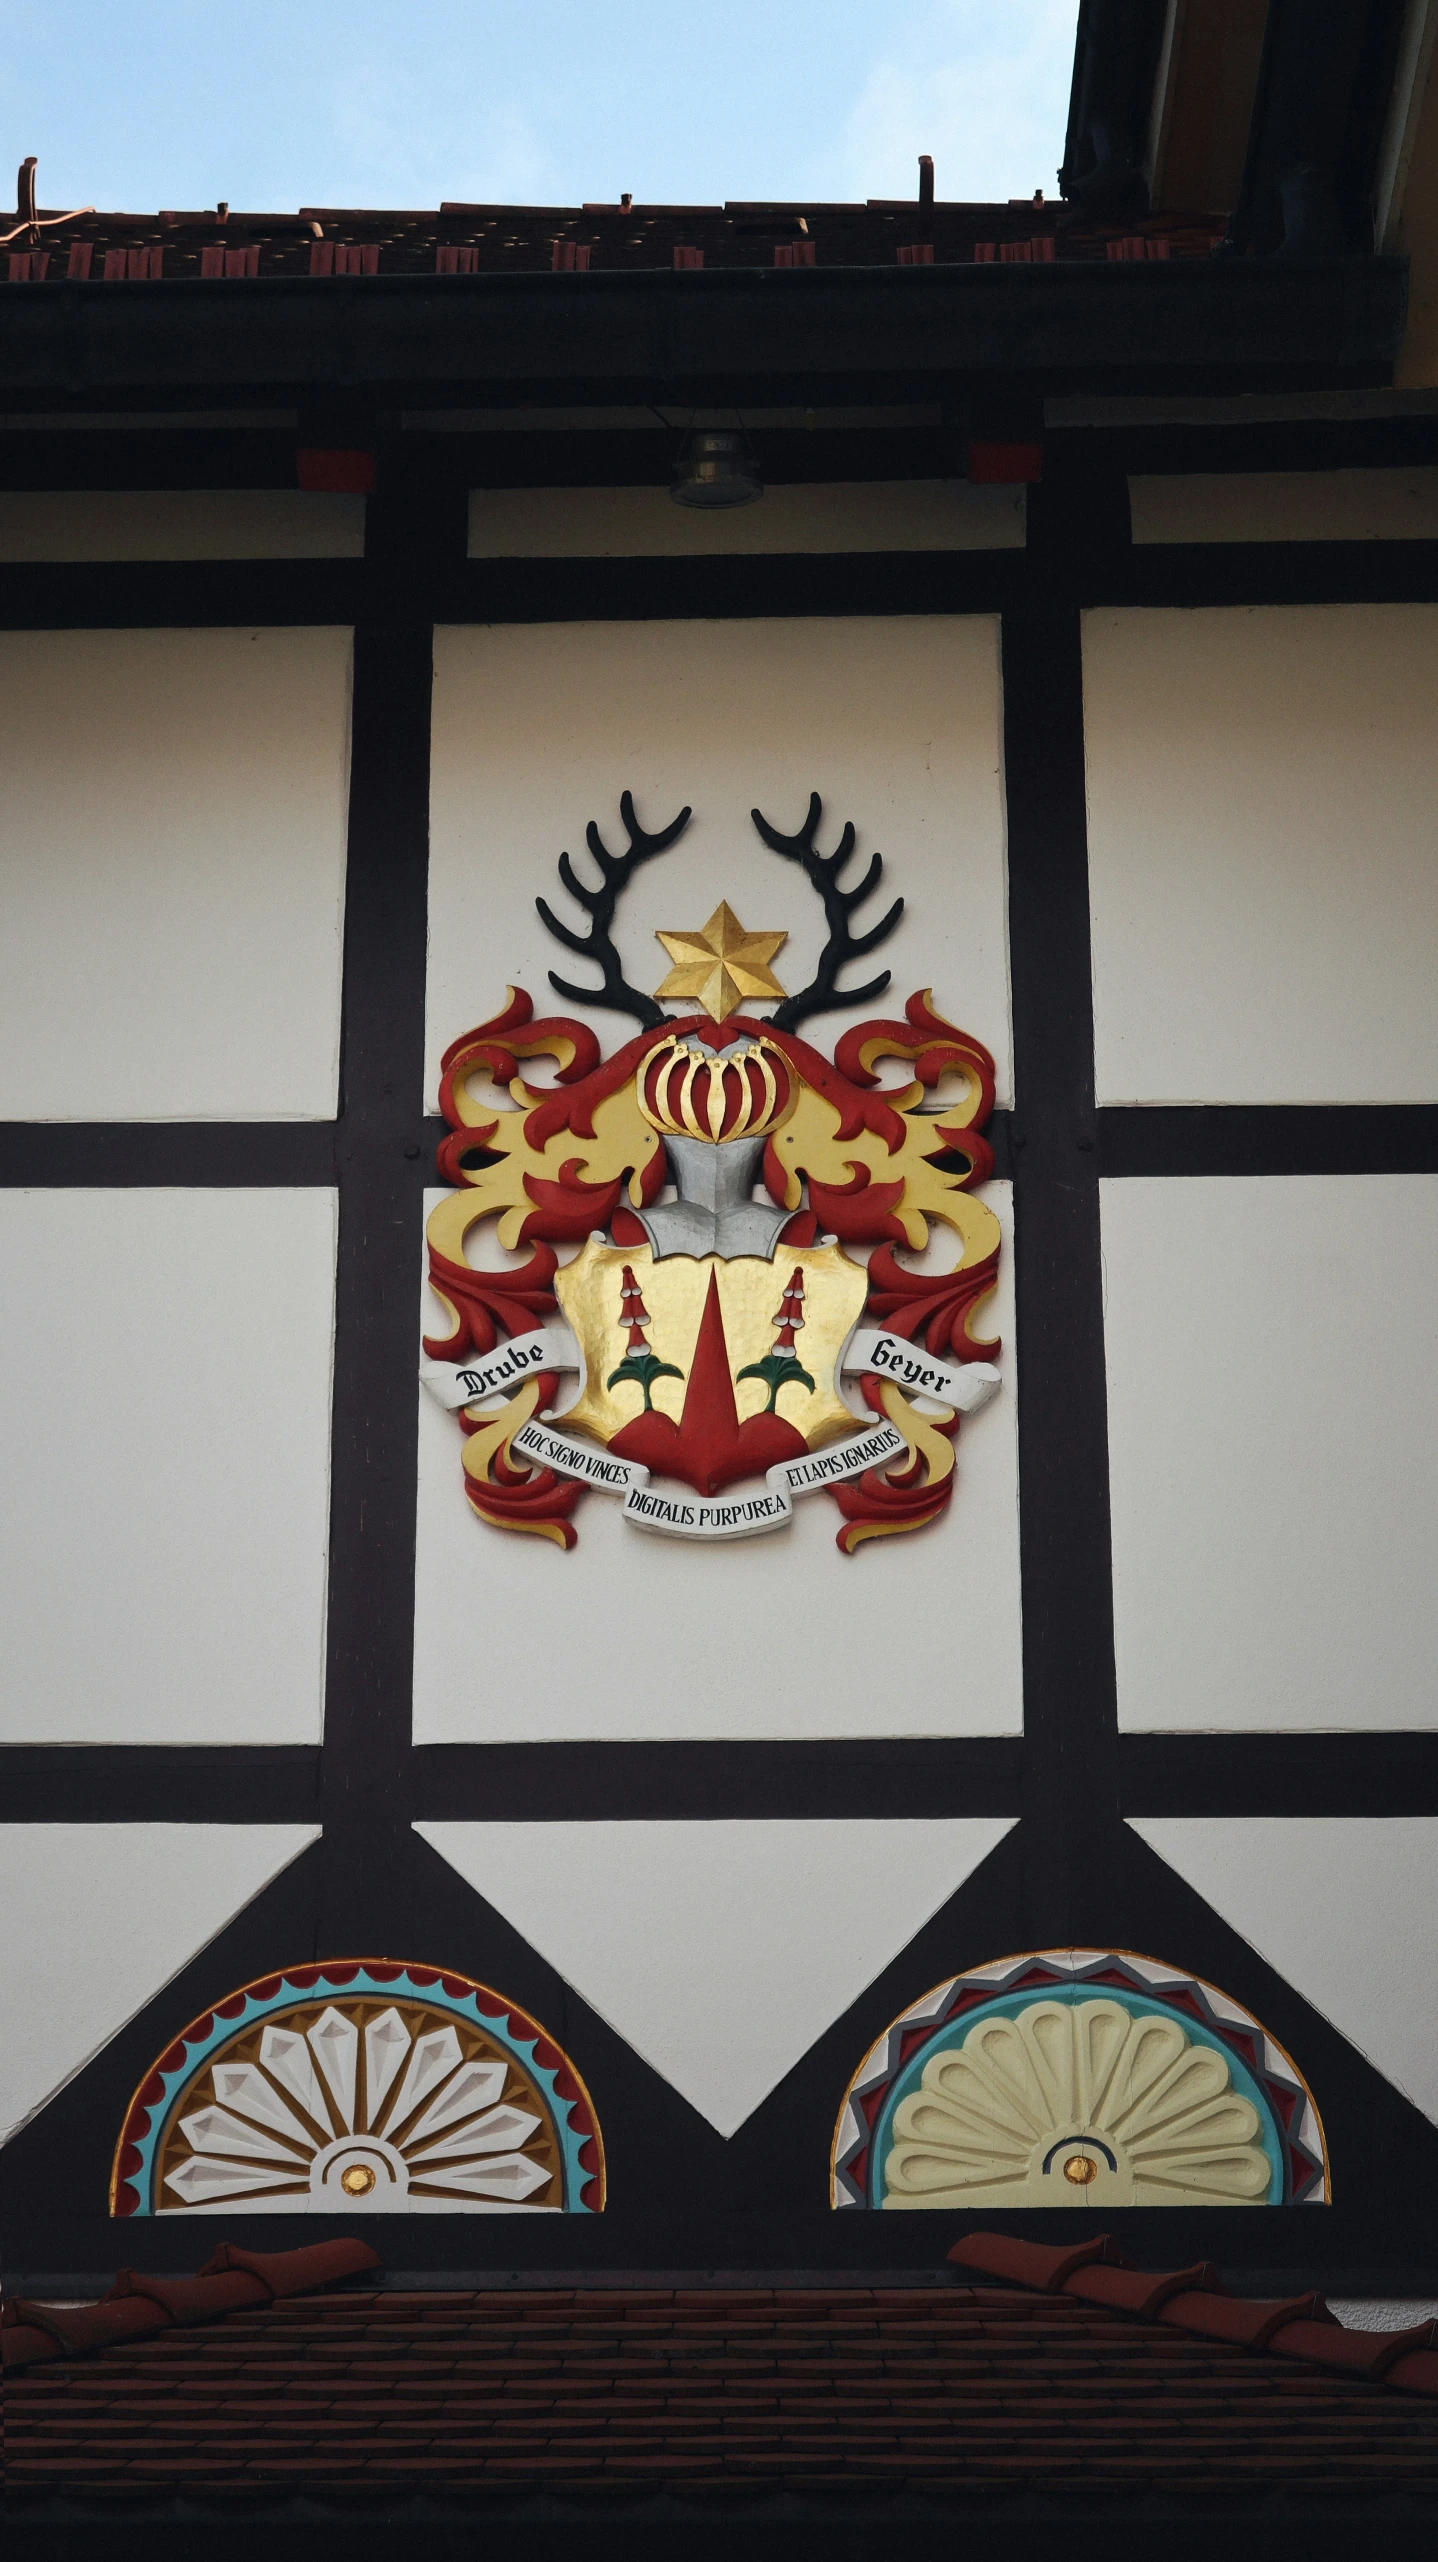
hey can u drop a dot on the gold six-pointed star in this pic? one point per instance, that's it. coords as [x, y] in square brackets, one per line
[718, 965]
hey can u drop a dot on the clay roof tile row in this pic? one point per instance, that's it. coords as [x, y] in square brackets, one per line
[1195, 2300]
[325, 242]
[137, 2305]
[1074, 2370]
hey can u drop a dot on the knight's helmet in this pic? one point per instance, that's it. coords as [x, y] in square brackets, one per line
[714, 1111]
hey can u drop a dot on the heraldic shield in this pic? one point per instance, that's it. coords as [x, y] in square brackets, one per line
[715, 1183]
[710, 1387]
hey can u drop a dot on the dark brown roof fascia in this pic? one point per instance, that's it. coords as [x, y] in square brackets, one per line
[1237, 326]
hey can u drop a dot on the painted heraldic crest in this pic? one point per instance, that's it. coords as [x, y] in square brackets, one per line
[731, 1328]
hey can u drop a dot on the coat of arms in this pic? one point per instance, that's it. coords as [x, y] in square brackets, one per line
[717, 1181]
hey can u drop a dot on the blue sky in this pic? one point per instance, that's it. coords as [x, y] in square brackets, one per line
[275, 103]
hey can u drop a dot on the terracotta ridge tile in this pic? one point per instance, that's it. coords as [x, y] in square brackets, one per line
[1033, 2264]
[1417, 2372]
[1236, 2318]
[296, 2272]
[24, 2343]
[81, 2327]
[1196, 2301]
[1369, 2353]
[1141, 2291]
[190, 2299]
[231, 2280]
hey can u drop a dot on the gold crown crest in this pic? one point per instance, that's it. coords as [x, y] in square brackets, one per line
[686, 1091]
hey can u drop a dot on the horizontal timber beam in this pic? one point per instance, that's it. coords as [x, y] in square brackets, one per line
[662, 335]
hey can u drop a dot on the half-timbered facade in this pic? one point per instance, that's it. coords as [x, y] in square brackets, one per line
[720, 1376]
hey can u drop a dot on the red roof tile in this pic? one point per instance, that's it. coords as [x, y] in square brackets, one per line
[1195, 2300]
[323, 242]
[137, 2304]
[1076, 2375]
[192, 2299]
[1237, 2318]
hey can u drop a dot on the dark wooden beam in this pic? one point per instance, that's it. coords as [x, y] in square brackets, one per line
[785, 333]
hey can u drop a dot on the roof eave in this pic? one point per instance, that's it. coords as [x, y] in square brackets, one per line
[1241, 323]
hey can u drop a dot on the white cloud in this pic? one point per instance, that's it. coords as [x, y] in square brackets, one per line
[984, 90]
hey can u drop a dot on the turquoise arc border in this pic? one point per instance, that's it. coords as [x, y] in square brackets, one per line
[952, 2033]
[397, 1984]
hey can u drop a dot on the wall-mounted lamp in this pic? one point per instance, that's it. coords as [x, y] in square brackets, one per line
[716, 469]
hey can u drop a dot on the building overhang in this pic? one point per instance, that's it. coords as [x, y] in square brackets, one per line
[831, 333]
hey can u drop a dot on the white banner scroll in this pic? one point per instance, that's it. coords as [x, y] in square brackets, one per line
[572, 1456]
[820, 1468]
[682, 1514]
[550, 1347]
[966, 1387]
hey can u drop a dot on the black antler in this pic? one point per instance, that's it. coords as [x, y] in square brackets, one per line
[597, 944]
[823, 994]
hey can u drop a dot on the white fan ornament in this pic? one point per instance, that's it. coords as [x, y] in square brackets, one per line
[431, 2132]
[1077, 2104]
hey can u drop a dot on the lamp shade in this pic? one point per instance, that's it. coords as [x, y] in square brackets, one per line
[716, 469]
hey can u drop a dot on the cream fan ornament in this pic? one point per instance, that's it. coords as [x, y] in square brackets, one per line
[1077, 2104]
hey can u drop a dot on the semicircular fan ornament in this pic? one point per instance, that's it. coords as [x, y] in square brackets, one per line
[360, 2086]
[1118, 2105]
[1077, 2078]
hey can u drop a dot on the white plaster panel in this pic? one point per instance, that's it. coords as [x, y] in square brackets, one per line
[97, 1918]
[1272, 1352]
[1285, 506]
[172, 848]
[180, 524]
[635, 1636]
[894, 721]
[802, 516]
[634, 1916]
[165, 1375]
[1263, 863]
[1344, 1907]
